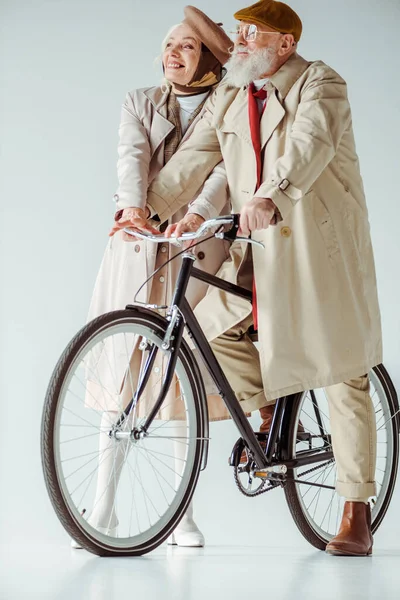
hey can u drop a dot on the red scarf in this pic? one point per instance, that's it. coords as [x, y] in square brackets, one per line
[254, 120]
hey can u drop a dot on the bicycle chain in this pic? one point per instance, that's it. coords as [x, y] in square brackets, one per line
[278, 484]
[328, 462]
[261, 491]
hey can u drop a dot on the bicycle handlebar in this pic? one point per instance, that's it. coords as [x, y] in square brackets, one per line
[231, 234]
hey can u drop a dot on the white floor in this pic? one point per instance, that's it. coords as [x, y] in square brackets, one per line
[215, 572]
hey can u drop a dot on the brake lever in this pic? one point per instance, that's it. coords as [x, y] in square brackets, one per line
[222, 236]
[231, 235]
[250, 241]
[232, 232]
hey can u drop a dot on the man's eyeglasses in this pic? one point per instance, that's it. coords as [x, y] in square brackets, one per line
[250, 32]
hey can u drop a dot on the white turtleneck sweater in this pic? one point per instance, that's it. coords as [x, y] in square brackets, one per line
[188, 105]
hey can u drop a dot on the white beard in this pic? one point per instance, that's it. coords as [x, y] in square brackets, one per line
[242, 71]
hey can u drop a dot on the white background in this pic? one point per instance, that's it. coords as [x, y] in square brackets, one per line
[65, 68]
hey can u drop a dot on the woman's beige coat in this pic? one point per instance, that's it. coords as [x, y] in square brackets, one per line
[319, 320]
[126, 265]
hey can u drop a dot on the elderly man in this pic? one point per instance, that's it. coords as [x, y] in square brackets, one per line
[283, 127]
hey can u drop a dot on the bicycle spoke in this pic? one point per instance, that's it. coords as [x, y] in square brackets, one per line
[82, 437]
[145, 495]
[98, 383]
[82, 482]
[97, 452]
[133, 504]
[163, 463]
[156, 470]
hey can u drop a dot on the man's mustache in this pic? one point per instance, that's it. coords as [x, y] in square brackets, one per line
[242, 50]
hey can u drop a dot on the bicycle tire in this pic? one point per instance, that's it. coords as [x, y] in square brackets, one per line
[69, 521]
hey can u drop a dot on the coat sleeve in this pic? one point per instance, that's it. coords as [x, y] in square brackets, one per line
[184, 174]
[213, 195]
[322, 117]
[133, 158]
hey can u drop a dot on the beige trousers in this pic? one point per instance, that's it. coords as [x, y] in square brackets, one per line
[352, 414]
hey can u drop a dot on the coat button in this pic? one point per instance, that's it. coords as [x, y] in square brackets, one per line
[286, 232]
[162, 279]
[163, 248]
[137, 248]
[200, 255]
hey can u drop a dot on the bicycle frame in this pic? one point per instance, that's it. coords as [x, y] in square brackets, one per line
[181, 315]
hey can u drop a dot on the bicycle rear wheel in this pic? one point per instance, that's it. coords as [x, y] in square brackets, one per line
[317, 511]
[115, 494]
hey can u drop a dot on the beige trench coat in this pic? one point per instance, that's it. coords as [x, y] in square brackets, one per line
[127, 265]
[319, 319]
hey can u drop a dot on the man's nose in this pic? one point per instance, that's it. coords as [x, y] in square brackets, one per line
[240, 39]
[241, 44]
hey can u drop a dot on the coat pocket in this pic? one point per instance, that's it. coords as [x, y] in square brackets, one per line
[324, 223]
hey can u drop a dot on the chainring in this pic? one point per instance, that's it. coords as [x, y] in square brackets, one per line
[243, 473]
[246, 471]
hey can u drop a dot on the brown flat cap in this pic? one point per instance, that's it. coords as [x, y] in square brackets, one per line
[277, 15]
[211, 34]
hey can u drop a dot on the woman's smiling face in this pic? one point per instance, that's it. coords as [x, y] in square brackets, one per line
[181, 55]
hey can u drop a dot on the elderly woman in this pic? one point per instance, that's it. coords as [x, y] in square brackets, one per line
[154, 122]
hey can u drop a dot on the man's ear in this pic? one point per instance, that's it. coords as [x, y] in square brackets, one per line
[287, 43]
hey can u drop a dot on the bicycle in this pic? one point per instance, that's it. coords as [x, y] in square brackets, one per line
[151, 489]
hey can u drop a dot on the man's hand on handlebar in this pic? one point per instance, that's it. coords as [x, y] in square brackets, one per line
[255, 215]
[135, 218]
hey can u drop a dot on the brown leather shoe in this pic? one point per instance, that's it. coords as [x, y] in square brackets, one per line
[266, 413]
[354, 537]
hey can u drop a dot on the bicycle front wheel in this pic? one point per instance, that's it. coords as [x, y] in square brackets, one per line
[115, 494]
[317, 511]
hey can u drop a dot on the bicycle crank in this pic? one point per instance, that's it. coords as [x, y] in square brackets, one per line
[252, 483]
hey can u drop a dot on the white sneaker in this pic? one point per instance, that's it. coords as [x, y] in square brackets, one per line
[187, 534]
[111, 532]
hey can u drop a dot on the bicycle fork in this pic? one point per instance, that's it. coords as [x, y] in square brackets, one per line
[171, 342]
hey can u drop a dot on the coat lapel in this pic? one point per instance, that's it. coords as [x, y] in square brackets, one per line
[160, 126]
[272, 116]
[278, 88]
[236, 118]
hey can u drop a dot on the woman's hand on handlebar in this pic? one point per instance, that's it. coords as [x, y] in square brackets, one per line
[190, 222]
[135, 218]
